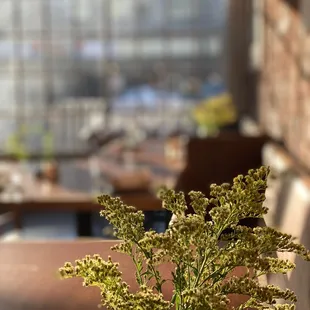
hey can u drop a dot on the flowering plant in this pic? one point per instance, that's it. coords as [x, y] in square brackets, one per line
[214, 113]
[203, 252]
[17, 146]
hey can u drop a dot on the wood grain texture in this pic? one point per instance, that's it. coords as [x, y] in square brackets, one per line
[29, 278]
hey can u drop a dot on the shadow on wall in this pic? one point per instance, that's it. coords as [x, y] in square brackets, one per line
[287, 179]
[292, 216]
[300, 278]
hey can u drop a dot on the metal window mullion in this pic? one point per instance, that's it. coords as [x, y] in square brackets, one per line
[137, 36]
[75, 114]
[167, 35]
[18, 69]
[75, 38]
[46, 59]
[106, 37]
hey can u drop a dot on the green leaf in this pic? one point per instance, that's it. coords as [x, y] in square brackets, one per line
[174, 297]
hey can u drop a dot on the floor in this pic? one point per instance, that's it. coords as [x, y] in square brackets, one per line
[61, 226]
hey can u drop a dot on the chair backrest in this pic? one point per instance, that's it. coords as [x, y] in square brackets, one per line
[218, 160]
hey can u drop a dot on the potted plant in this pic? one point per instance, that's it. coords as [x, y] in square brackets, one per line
[213, 114]
[203, 253]
[16, 147]
[17, 150]
[49, 166]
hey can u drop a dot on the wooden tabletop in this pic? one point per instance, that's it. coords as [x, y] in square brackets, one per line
[40, 195]
[29, 278]
[150, 152]
[77, 173]
[74, 191]
[149, 158]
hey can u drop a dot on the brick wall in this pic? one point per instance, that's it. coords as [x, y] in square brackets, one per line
[284, 103]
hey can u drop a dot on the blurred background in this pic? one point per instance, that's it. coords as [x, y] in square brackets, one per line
[123, 96]
[77, 75]
[79, 58]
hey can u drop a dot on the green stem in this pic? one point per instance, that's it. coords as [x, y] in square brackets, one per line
[153, 270]
[149, 256]
[203, 265]
[139, 277]
[201, 269]
[179, 286]
[215, 272]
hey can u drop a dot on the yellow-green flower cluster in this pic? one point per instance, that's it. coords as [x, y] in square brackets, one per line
[94, 270]
[215, 112]
[128, 222]
[115, 293]
[202, 253]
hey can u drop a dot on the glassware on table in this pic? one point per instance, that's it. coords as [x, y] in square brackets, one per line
[99, 183]
[15, 190]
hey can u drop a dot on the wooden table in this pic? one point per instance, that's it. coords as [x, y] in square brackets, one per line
[42, 197]
[73, 191]
[29, 279]
[150, 156]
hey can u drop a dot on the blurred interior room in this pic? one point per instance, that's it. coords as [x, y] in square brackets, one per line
[121, 97]
[85, 83]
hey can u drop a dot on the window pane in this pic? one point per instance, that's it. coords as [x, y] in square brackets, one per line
[92, 49]
[184, 9]
[7, 89]
[153, 47]
[123, 16]
[124, 48]
[93, 13]
[149, 15]
[212, 46]
[184, 47]
[12, 50]
[213, 14]
[29, 54]
[86, 14]
[7, 109]
[6, 17]
[33, 66]
[31, 13]
[6, 50]
[33, 94]
[215, 46]
[61, 15]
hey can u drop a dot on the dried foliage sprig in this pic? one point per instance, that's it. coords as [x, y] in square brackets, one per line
[203, 252]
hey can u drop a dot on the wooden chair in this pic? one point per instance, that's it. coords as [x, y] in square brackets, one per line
[218, 160]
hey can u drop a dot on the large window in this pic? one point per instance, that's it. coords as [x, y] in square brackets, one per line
[49, 48]
[184, 10]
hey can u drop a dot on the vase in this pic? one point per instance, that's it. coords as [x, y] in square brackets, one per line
[50, 171]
